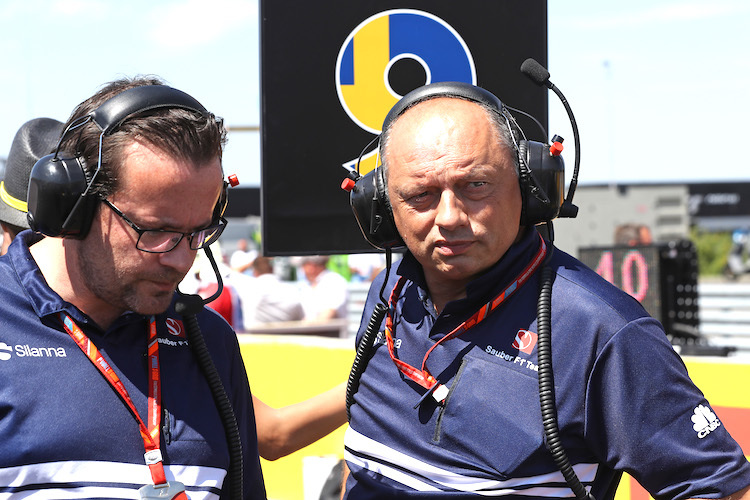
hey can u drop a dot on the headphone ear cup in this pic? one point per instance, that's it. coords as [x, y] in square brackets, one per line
[373, 212]
[523, 179]
[56, 205]
[221, 203]
[542, 179]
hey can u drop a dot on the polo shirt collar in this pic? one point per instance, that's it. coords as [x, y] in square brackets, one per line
[496, 277]
[44, 300]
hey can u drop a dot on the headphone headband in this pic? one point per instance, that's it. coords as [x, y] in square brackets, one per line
[115, 110]
[541, 174]
[459, 90]
[59, 201]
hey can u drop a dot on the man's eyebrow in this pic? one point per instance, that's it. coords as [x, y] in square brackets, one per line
[409, 189]
[162, 225]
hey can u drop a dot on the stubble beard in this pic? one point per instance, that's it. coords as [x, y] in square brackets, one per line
[118, 287]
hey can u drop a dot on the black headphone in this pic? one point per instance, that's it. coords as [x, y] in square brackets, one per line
[59, 202]
[541, 170]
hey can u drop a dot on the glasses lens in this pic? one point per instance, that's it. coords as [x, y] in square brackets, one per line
[158, 241]
[205, 237]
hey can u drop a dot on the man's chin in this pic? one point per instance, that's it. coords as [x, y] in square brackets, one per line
[461, 268]
[155, 304]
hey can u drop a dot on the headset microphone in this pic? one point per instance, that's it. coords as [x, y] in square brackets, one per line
[536, 72]
[539, 75]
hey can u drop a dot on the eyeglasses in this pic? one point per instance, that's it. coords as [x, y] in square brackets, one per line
[162, 241]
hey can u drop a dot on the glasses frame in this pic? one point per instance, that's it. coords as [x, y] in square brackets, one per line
[219, 227]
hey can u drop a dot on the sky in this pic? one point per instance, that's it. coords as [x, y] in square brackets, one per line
[658, 87]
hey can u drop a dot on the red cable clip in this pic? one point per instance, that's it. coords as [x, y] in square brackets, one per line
[556, 148]
[347, 184]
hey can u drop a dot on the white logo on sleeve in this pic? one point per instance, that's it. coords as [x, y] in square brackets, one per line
[27, 351]
[5, 351]
[704, 421]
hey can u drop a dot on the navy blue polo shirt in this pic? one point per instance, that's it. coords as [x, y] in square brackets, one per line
[66, 433]
[624, 399]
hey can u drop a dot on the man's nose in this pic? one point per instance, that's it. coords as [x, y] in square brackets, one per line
[450, 211]
[180, 257]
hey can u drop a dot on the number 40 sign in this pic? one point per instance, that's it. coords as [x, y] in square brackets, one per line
[633, 272]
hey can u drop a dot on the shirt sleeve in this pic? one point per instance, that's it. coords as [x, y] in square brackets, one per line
[644, 415]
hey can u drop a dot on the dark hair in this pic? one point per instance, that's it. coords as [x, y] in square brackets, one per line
[263, 265]
[182, 134]
[632, 234]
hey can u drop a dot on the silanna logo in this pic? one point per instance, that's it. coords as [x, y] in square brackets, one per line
[28, 351]
[390, 47]
[5, 351]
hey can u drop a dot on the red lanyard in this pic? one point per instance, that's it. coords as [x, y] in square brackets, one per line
[149, 434]
[422, 376]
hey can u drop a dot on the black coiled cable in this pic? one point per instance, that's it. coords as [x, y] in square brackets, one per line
[362, 356]
[364, 347]
[188, 306]
[547, 387]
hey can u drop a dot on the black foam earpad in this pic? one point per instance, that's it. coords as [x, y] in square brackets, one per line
[55, 205]
[59, 204]
[541, 174]
[373, 212]
[543, 183]
[221, 204]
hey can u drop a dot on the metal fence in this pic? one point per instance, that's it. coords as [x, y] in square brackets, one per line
[724, 310]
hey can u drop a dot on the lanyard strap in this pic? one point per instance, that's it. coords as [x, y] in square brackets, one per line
[150, 433]
[422, 376]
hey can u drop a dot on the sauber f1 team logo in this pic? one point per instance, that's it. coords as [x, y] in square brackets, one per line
[175, 328]
[176, 334]
[525, 341]
[371, 50]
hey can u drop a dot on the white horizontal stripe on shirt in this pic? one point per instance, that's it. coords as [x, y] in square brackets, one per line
[412, 472]
[91, 479]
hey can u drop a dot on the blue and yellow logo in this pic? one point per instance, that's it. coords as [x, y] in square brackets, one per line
[369, 53]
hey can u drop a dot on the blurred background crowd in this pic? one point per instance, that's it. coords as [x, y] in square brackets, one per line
[261, 290]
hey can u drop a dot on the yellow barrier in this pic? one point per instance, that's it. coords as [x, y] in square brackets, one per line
[724, 382]
[287, 369]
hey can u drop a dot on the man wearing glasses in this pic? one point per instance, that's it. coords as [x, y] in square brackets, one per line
[101, 394]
